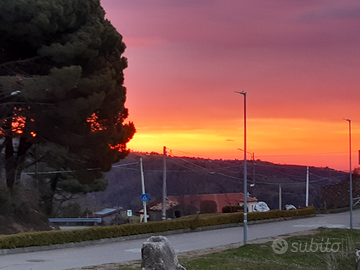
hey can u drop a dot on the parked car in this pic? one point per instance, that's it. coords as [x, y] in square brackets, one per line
[290, 207]
[261, 207]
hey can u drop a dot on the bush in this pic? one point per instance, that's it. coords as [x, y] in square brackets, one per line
[232, 208]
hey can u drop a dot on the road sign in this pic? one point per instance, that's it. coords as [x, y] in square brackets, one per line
[144, 197]
[129, 213]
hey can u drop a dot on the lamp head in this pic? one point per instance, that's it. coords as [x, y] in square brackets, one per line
[241, 92]
[15, 93]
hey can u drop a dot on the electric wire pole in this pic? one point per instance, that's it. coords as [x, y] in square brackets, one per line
[280, 203]
[350, 177]
[307, 187]
[143, 188]
[245, 171]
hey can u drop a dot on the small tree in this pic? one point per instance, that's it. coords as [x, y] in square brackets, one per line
[208, 207]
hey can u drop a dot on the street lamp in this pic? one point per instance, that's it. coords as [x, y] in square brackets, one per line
[163, 210]
[14, 93]
[6, 100]
[351, 189]
[251, 154]
[245, 170]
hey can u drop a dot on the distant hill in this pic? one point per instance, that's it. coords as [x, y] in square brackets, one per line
[186, 175]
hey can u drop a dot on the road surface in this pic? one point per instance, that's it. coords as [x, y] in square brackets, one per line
[67, 258]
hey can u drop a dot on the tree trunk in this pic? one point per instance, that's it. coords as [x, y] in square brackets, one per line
[13, 158]
[10, 164]
[48, 196]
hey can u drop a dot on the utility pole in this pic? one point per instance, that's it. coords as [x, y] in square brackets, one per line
[164, 188]
[280, 203]
[254, 182]
[143, 188]
[245, 171]
[307, 187]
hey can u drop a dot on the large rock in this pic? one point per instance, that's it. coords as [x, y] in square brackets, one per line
[357, 259]
[158, 254]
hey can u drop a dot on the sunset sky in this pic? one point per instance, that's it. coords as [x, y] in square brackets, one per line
[298, 61]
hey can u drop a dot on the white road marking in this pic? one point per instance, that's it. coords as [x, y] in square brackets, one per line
[320, 225]
[133, 250]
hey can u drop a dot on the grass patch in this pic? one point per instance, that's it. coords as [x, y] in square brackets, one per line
[328, 249]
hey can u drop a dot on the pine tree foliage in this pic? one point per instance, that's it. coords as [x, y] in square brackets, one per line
[61, 83]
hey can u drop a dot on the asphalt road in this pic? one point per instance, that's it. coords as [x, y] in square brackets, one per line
[67, 258]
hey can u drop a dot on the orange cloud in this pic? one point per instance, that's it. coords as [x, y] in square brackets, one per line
[294, 141]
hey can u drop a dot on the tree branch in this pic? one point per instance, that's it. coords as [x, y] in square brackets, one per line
[24, 61]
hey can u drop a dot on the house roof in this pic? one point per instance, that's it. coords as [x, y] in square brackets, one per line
[221, 199]
[157, 205]
[104, 212]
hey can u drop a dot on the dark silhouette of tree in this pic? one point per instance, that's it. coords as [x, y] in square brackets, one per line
[61, 84]
[337, 195]
[208, 207]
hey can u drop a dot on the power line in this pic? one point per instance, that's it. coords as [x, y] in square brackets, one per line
[123, 165]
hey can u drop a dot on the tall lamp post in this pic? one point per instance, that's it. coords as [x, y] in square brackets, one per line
[245, 170]
[163, 210]
[351, 188]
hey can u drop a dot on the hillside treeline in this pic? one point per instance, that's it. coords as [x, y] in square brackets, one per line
[186, 176]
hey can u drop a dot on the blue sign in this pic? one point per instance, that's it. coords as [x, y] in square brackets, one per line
[144, 197]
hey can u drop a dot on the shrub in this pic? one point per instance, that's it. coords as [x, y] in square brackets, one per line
[232, 208]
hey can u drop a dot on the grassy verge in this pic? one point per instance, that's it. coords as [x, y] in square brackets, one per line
[337, 210]
[327, 249]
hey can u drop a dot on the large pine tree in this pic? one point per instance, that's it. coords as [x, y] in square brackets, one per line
[61, 83]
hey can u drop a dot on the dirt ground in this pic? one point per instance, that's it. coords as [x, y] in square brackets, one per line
[192, 254]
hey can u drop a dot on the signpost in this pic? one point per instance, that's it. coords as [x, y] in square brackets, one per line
[144, 197]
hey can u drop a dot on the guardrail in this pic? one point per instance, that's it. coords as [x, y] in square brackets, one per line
[76, 221]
